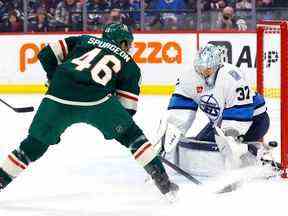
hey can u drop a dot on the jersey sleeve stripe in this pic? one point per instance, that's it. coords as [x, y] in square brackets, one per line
[127, 103]
[57, 50]
[260, 110]
[181, 102]
[63, 48]
[258, 101]
[127, 95]
[239, 113]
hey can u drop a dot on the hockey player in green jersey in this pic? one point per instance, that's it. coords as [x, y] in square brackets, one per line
[95, 81]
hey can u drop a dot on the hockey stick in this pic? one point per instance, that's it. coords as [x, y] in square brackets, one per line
[180, 171]
[18, 109]
[227, 189]
[172, 165]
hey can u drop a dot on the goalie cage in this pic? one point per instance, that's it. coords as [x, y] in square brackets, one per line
[272, 45]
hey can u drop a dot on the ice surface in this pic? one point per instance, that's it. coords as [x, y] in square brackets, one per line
[88, 176]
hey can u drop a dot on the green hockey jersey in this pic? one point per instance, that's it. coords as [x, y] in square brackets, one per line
[86, 69]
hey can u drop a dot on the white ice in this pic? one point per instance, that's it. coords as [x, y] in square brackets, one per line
[87, 176]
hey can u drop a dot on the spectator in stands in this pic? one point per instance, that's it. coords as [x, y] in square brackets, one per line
[4, 8]
[13, 23]
[170, 21]
[189, 20]
[167, 12]
[280, 3]
[48, 6]
[169, 5]
[228, 21]
[39, 23]
[214, 4]
[98, 5]
[244, 4]
[135, 15]
[191, 4]
[116, 16]
[264, 3]
[68, 15]
[121, 4]
[7, 6]
[266, 13]
[97, 13]
[126, 8]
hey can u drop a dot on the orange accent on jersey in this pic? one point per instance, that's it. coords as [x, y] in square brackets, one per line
[16, 162]
[142, 151]
[127, 96]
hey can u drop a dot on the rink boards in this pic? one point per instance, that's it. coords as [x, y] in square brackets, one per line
[161, 56]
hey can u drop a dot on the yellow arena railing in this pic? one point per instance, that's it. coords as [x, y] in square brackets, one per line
[145, 90]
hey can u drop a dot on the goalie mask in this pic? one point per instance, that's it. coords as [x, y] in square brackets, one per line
[207, 62]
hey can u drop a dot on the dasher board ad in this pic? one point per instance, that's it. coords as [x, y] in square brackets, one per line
[160, 56]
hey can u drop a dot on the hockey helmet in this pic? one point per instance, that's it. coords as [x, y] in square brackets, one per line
[117, 33]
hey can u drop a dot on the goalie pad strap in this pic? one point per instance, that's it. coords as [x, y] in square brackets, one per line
[199, 146]
[171, 137]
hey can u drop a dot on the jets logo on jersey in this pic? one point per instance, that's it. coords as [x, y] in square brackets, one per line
[209, 105]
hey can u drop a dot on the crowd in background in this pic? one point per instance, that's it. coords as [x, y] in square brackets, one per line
[67, 15]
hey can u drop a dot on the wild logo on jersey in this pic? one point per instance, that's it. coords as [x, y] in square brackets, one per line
[210, 106]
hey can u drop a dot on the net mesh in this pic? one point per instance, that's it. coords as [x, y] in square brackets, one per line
[270, 43]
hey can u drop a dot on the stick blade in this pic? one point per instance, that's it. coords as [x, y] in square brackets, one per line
[24, 109]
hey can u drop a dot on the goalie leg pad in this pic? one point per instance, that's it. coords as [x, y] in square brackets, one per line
[171, 137]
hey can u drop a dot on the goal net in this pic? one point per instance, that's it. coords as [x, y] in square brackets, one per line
[272, 81]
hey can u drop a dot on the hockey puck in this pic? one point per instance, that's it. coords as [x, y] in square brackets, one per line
[273, 144]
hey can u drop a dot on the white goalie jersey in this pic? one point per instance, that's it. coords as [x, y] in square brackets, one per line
[230, 103]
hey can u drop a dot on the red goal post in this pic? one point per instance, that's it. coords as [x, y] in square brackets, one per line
[275, 27]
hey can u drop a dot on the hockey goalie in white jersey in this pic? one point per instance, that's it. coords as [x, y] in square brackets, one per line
[221, 91]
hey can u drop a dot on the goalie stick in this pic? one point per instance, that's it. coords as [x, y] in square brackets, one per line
[180, 171]
[160, 143]
[227, 189]
[18, 109]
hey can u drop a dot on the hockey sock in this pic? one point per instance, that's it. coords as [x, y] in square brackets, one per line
[144, 154]
[5, 179]
[15, 163]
